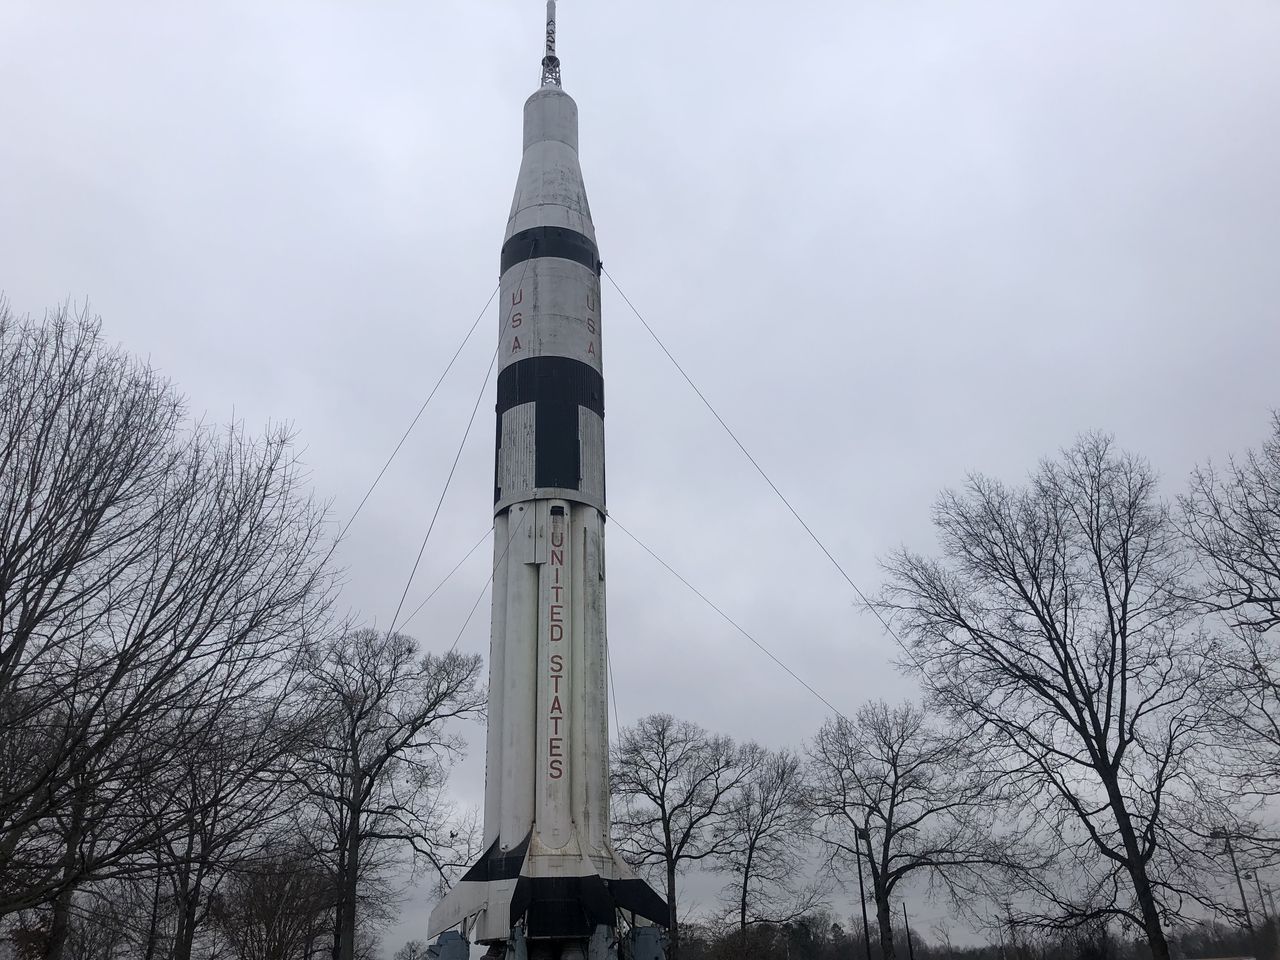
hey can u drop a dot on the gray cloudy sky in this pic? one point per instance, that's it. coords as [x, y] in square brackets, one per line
[892, 242]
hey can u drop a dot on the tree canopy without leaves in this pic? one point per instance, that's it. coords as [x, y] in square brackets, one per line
[766, 833]
[276, 909]
[913, 800]
[378, 755]
[1233, 517]
[229, 788]
[672, 780]
[150, 569]
[1057, 622]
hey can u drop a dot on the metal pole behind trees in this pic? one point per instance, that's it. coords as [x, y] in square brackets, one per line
[911, 950]
[1265, 942]
[863, 833]
[862, 896]
[1244, 901]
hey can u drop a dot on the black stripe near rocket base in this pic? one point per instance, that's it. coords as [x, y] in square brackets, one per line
[570, 907]
[557, 386]
[497, 865]
[551, 242]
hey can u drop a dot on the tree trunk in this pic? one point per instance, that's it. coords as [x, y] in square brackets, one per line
[186, 896]
[1137, 871]
[153, 927]
[884, 918]
[347, 889]
[673, 948]
[59, 926]
[1150, 915]
[183, 940]
[61, 922]
[339, 884]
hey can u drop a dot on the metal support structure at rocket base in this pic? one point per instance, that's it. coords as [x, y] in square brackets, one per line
[549, 885]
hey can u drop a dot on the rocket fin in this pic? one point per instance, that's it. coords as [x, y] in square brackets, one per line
[487, 888]
[634, 895]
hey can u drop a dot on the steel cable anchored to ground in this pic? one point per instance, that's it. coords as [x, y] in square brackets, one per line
[418, 416]
[728, 619]
[756, 464]
[457, 456]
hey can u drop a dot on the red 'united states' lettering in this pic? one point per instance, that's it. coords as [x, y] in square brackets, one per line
[556, 721]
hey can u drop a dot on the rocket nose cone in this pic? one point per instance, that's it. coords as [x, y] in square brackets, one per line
[549, 190]
[551, 114]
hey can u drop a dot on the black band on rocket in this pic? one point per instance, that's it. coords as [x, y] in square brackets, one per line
[550, 380]
[557, 387]
[550, 242]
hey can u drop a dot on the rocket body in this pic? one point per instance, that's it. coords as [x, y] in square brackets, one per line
[548, 641]
[549, 872]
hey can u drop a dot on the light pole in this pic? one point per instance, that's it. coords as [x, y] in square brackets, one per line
[865, 834]
[1266, 903]
[1262, 903]
[1244, 901]
[860, 834]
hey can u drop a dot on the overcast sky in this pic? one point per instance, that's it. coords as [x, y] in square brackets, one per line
[892, 242]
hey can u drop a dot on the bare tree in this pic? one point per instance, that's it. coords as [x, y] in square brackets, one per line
[1233, 517]
[229, 789]
[277, 908]
[149, 569]
[412, 950]
[1057, 623]
[105, 921]
[913, 800]
[766, 835]
[672, 780]
[379, 754]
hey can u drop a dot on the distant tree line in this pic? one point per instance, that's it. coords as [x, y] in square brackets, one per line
[196, 758]
[817, 936]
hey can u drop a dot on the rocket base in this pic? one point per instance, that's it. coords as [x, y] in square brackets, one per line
[555, 895]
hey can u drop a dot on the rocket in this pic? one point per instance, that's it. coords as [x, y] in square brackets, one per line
[549, 884]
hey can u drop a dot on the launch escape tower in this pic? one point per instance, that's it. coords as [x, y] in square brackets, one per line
[549, 885]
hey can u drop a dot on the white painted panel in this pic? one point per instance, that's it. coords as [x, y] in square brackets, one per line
[523, 539]
[494, 922]
[543, 509]
[497, 699]
[516, 451]
[591, 456]
[550, 308]
[595, 703]
[519, 725]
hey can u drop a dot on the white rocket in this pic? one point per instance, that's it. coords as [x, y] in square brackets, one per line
[549, 884]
